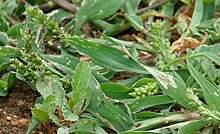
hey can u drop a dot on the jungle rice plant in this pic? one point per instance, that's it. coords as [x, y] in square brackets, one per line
[79, 97]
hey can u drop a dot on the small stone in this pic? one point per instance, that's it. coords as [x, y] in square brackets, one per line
[1, 109]
[14, 122]
[24, 121]
[8, 118]
[14, 116]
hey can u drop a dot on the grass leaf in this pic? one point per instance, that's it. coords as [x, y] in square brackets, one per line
[105, 56]
[149, 101]
[192, 127]
[96, 9]
[210, 91]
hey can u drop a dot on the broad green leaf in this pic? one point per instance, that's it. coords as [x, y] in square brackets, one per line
[3, 88]
[193, 127]
[63, 62]
[80, 85]
[116, 91]
[209, 9]
[44, 87]
[207, 24]
[105, 56]
[94, 10]
[59, 92]
[133, 3]
[14, 31]
[10, 78]
[47, 108]
[135, 20]
[51, 86]
[4, 63]
[49, 104]
[215, 49]
[103, 109]
[3, 38]
[4, 24]
[6, 83]
[149, 101]
[210, 91]
[197, 14]
[86, 127]
[40, 115]
[67, 113]
[9, 6]
[9, 52]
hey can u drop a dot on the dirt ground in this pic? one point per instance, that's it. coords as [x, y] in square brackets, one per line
[15, 113]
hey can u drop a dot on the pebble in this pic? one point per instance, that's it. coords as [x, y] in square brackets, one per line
[1, 109]
[8, 118]
[24, 121]
[14, 116]
[14, 122]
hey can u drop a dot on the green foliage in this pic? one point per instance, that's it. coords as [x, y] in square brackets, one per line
[81, 90]
[95, 10]
[100, 83]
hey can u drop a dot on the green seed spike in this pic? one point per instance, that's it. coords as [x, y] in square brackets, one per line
[150, 88]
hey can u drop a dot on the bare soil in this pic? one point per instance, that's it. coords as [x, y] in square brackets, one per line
[15, 112]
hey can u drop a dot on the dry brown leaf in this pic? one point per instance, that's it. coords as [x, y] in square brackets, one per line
[182, 44]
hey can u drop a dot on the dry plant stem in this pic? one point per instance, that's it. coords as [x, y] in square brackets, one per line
[66, 5]
[11, 20]
[24, 2]
[14, 44]
[152, 6]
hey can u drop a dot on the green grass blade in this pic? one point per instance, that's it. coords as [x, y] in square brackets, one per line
[197, 14]
[213, 57]
[94, 10]
[192, 127]
[9, 52]
[149, 101]
[116, 91]
[210, 91]
[159, 121]
[105, 56]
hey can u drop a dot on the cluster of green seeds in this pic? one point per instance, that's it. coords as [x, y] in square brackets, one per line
[40, 18]
[145, 90]
[160, 44]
